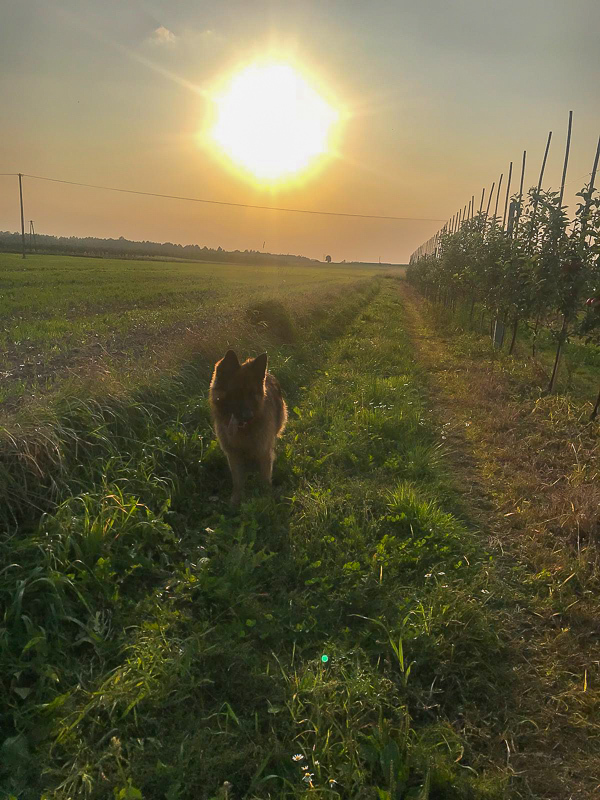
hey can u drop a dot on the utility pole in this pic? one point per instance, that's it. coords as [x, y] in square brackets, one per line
[32, 242]
[22, 217]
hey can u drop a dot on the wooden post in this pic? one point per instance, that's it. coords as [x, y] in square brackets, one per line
[594, 413]
[520, 205]
[497, 198]
[568, 147]
[513, 227]
[539, 188]
[507, 195]
[565, 326]
[514, 236]
[544, 161]
[561, 340]
[514, 336]
[586, 212]
[564, 330]
[487, 211]
[22, 215]
[583, 234]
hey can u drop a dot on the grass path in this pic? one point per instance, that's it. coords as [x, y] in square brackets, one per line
[158, 645]
[529, 466]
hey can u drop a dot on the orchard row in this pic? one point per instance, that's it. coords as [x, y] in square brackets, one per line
[535, 267]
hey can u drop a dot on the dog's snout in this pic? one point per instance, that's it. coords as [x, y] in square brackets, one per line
[246, 414]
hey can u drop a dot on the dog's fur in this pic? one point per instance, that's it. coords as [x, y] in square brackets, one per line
[249, 413]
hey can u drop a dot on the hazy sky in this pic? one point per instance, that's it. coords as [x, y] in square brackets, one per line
[438, 95]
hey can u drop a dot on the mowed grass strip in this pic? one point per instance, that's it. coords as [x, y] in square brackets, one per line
[158, 645]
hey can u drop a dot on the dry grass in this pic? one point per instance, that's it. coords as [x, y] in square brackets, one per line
[530, 467]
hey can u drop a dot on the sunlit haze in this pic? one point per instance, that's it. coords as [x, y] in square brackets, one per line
[399, 109]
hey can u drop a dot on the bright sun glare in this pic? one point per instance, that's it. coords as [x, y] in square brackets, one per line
[270, 122]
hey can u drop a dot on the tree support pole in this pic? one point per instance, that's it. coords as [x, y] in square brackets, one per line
[561, 340]
[22, 215]
[594, 413]
[514, 336]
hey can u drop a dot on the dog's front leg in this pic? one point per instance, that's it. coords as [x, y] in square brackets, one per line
[238, 474]
[265, 467]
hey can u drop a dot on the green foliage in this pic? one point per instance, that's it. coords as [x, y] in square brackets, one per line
[540, 272]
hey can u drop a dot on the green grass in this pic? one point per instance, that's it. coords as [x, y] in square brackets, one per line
[529, 464]
[579, 365]
[156, 644]
[63, 314]
[39, 292]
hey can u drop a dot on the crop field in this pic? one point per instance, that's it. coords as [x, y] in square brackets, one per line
[397, 619]
[59, 312]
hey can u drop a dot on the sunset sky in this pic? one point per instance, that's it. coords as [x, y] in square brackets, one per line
[435, 98]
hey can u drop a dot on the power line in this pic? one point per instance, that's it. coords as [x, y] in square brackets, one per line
[225, 203]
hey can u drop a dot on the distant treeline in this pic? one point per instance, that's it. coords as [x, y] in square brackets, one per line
[126, 248]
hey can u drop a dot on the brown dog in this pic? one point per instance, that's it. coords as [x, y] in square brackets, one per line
[249, 414]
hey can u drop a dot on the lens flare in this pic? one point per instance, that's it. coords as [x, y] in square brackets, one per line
[271, 122]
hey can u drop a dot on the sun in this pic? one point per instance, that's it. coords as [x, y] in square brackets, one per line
[271, 123]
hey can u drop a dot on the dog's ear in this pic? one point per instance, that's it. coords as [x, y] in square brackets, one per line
[259, 366]
[228, 365]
